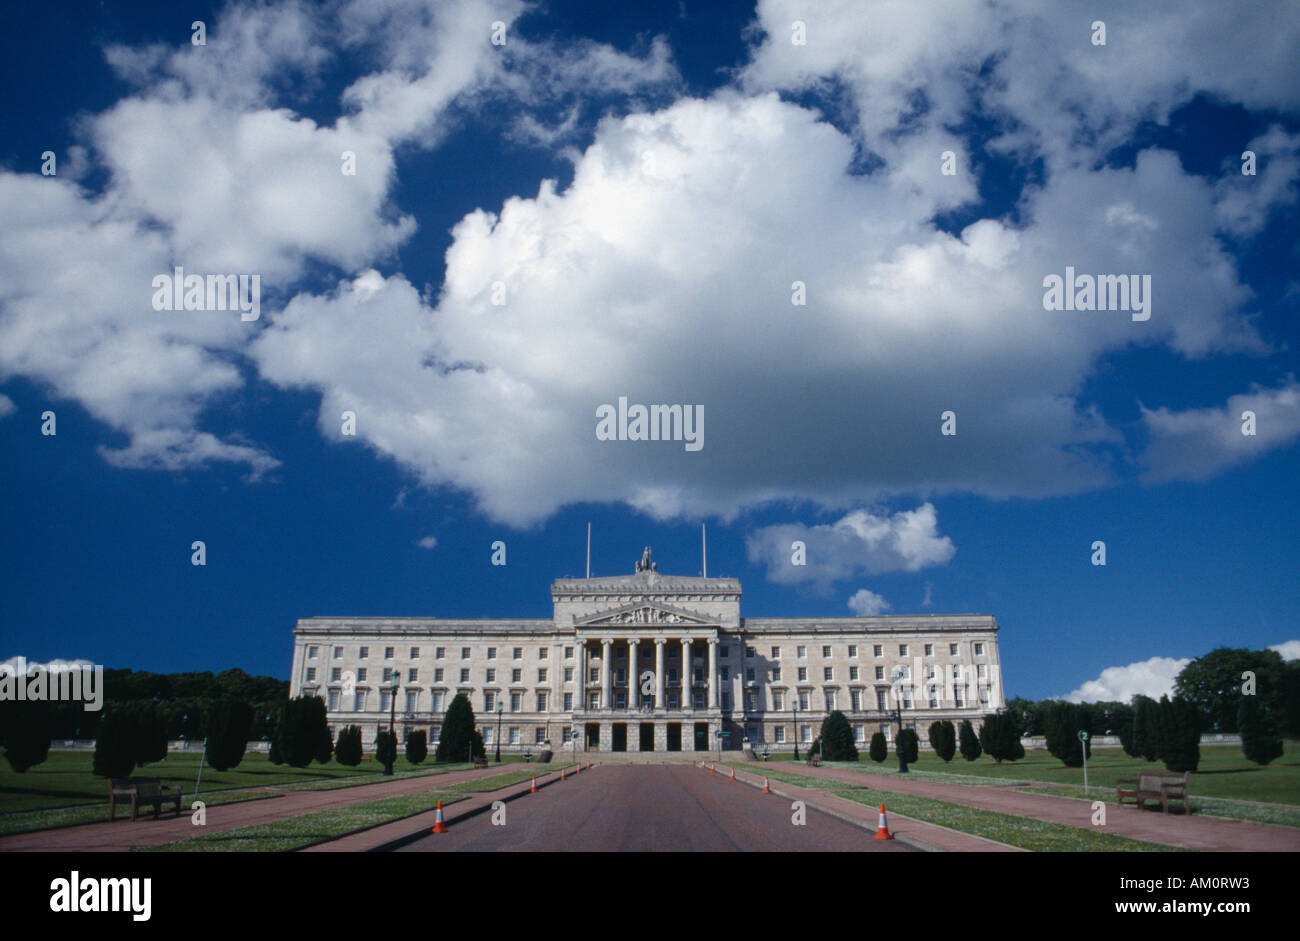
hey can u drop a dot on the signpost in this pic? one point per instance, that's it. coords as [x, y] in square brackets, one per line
[720, 736]
[1083, 738]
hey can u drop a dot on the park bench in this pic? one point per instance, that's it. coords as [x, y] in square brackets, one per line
[815, 760]
[765, 755]
[1162, 786]
[481, 761]
[142, 792]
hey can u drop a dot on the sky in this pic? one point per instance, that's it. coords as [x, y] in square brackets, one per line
[836, 234]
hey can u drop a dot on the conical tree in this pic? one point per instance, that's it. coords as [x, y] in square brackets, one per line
[26, 733]
[1064, 722]
[1000, 738]
[457, 731]
[325, 749]
[1144, 739]
[298, 732]
[229, 723]
[347, 751]
[417, 747]
[909, 744]
[1259, 739]
[970, 743]
[1181, 729]
[837, 738]
[879, 749]
[115, 744]
[943, 739]
[385, 747]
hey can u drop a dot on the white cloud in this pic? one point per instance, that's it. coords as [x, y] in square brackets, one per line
[7, 406]
[1154, 678]
[1289, 649]
[1197, 443]
[866, 603]
[1243, 203]
[427, 542]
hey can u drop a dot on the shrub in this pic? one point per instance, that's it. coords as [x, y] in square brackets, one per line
[1259, 739]
[326, 746]
[879, 749]
[115, 745]
[970, 743]
[943, 739]
[1000, 739]
[228, 727]
[458, 731]
[837, 738]
[1180, 727]
[417, 747]
[1064, 722]
[26, 733]
[385, 747]
[908, 745]
[347, 750]
[1144, 730]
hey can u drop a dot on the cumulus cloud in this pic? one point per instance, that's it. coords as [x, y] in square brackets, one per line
[863, 541]
[427, 542]
[865, 603]
[1289, 649]
[7, 406]
[1195, 444]
[1154, 678]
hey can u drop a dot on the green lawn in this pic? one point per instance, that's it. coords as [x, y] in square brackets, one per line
[1223, 771]
[279, 836]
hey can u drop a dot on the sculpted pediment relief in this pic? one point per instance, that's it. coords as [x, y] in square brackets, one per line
[642, 613]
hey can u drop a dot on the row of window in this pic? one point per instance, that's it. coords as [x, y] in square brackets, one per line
[516, 735]
[517, 653]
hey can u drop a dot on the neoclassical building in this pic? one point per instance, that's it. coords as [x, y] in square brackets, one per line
[650, 662]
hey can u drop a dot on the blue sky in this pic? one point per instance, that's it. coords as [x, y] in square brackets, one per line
[640, 187]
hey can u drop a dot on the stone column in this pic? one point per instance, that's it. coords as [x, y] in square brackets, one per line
[660, 643]
[606, 674]
[713, 673]
[633, 684]
[686, 674]
[557, 685]
[580, 686]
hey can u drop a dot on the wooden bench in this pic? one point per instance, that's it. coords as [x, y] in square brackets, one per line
[481, 762]
[815, 760]
[1162, 786]
[142, 792]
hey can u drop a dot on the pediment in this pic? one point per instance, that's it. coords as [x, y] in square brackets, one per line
[643, 612]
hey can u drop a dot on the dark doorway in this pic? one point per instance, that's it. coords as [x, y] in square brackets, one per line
[593, 736]
[701, 736]
[620, 737]
[674, 736]
[647, 736]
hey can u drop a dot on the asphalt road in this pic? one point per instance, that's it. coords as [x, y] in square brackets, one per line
[647, 808]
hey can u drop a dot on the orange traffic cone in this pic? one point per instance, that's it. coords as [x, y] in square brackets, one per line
[562, 774]
[713, 769]
[589, 766]
[533, 789]
[766, 787]
[882, 831]
[733, 774]
[438, 825]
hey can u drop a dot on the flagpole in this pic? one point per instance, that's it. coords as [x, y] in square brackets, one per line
[588, 550]
[704, 545]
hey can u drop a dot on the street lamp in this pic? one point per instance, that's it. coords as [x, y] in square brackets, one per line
[391, 751]
[897, 676]
[794, 704]
[500, 708]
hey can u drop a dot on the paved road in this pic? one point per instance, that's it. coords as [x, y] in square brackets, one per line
[652, 808]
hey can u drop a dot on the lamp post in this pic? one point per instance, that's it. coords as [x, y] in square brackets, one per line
[897, 675]
[391, 752]
[794, 704]
[500, 708]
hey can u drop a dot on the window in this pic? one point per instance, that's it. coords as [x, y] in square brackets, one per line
[516, 675]
[388, 653]
[491, 675]
[388, 674]
[490, 702]
[877, 650]
[826, 651]
[853, 674]
[334, 700]
[803, 674]
[488, 733]
[751, 702]
[437, 675]
[749, 652]
[568, 653]
[359, 701]
[960, 693]
[726, 674]
[516, 702]
[934, 703]
[539, 735]
[621, 653]
[594, 701]
[439, 653]
[778, 700]
[464, 676]
[620, 700]
[672, 700]
[956, 671]
[413, 675]
[828, 673]
[338, 653]
[979, 671]
[979, 650]
[311, 653]
[543, 653]
[776, 673]
[672, 675]
[902, 650]
[984, 696]
[541, 675]
[568, 674]
[385, 699]
[699, 700]
[435, 703]
[413, 700]
[620, 675]
[805, 733]
[929, 650]
[907, 702]
[855, 700]
[830, 699]
[803, 701]
[464, 653]
[749, 674]
[361, 674]
[859, 733]
[776, 653]
[518, 653]
[593, 675]
[336, 674]
[801, 652]
[880, 699]
[435, 733]
[952, 650]
[779, 733]
[492, 653]
[541, 702]
[568, 702]
[726, 701]
[415, 653]
[364, 653]
[853, 650]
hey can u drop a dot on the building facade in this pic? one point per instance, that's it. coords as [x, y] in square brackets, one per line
[650, 662]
